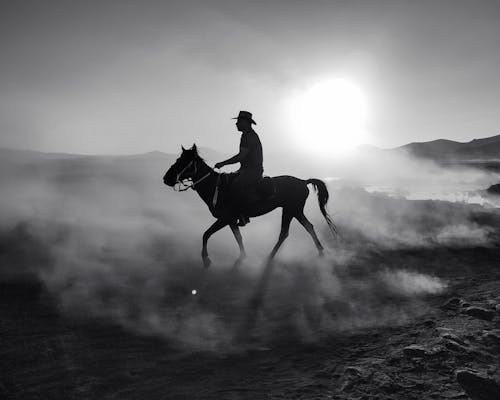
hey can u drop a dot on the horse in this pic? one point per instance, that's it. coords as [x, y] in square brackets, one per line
[190, 171]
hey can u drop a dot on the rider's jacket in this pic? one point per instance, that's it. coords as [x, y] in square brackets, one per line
[253, 160]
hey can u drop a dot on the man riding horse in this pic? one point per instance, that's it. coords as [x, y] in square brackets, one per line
[288, 192]
[250, 172]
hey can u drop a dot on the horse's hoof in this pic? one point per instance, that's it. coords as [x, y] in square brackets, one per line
[207, 262]
[321, 253]
[238, 262]
[269, 261]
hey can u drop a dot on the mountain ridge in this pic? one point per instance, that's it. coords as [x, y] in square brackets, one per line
[444, 149]
[487, 148]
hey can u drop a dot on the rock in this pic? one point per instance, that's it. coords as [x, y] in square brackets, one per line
[454, 338]
[352, 375]
[442, 330]
[384, 382]
[478, 387]
[450, 394]
[494, 189]
[452, 303]
[492, 337]
[453, 342]
[347, 385]
[454, 346]
[415, 350]
[479, 312]
[353, 371]
[429, 323]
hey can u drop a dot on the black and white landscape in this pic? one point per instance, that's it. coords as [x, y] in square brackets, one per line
[99, 261]
[393, 104]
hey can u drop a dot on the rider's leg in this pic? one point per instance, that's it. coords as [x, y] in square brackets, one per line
[238, 196]
[244, 192]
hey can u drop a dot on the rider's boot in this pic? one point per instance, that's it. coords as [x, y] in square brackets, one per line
[243, 220]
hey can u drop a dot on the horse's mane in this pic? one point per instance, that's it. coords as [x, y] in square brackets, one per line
[197, 155]
[199, 158]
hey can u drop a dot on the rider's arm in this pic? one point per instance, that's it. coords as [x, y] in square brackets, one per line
[235, 159]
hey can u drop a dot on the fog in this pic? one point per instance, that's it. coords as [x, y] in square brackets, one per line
[394, 173]
[111, 243]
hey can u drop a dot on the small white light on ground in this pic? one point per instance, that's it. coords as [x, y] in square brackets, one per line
[194, 291]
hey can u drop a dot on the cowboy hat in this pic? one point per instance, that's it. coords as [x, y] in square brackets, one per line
[245, 115]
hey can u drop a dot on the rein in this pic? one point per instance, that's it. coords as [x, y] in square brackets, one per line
[183, 184]
[188, 183]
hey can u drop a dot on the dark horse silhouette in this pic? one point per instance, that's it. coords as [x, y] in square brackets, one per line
[290, 193]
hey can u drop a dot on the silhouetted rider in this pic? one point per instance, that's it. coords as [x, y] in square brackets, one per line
[250, 158]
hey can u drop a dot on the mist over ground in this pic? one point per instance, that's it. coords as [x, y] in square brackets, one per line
[110, 242]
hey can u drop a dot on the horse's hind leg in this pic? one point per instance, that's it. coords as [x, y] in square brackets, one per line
[239, 240]
[310, 229]
[285, 227]
[216, 226]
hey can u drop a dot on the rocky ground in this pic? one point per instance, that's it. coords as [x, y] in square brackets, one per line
[98, 260]
[451, 351]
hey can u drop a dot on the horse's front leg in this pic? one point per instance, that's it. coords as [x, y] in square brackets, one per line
[239, 240]
[216, 226]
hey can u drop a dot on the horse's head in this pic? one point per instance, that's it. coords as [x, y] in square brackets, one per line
[183, 168]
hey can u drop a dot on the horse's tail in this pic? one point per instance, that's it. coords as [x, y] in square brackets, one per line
[323, 196]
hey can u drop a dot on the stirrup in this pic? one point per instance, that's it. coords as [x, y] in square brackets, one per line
[243, 220]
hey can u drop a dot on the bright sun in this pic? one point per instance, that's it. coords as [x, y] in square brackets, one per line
[329, 117]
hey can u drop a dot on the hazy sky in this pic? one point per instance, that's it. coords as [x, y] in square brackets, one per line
[134, 76]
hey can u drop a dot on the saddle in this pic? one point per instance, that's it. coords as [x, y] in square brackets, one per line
[262, 190]
[265, 187]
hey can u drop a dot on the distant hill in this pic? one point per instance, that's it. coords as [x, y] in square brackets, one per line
[23, 157]
[16, 165]
[19, 162]
[449, 150]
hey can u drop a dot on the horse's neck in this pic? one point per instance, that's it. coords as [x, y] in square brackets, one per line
[206, 187]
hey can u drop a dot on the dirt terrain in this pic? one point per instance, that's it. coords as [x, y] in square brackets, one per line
[98, 262]
[47, 354]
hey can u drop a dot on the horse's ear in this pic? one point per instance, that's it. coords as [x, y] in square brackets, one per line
[183, 149]
[194, 148]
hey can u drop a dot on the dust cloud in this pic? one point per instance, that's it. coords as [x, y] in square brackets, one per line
[110, 242]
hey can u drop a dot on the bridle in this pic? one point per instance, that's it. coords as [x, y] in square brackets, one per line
[183, 184]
